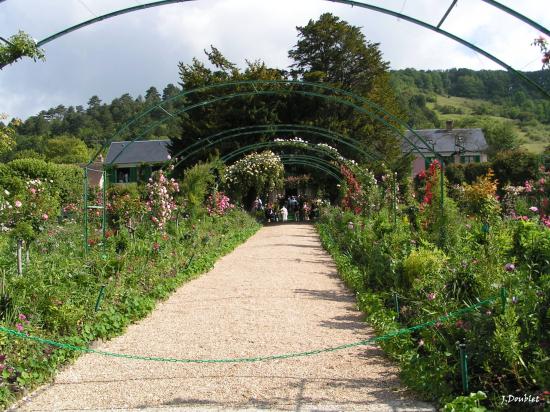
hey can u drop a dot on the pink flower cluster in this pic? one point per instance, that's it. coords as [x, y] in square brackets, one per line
[218, 204]
[161, 202]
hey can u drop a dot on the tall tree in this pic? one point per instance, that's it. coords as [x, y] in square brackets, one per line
[339, 52]
[206, 120]
[333, 51]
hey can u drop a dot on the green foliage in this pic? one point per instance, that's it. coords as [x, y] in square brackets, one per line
[507, 342]
[23, 231]
[66, 179]
[66, 149]
[532, 246]
[124, 205]
[515, 167]
[423, 263]
[468, 403]
[198, 181]
[7, 141]
[19, 45]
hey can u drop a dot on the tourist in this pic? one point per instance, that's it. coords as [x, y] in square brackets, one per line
[284, 213]
[269, 213]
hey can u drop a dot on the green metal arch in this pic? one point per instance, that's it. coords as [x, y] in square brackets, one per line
[261, 145]
[313, 165]
[312, 159]
[290, 158]
[381, 119]
[243, 131]
[289, 128]
[352, 3]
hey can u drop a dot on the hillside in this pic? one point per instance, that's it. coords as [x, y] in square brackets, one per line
[533, 135]
[478, 98]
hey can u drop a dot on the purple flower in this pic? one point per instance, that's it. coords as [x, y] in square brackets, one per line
[19, 327]
[22, 317]
[534, 209]
[509, 267]
[2, 358]
[431, 296]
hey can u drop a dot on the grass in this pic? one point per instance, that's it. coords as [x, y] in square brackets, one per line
[534, 135]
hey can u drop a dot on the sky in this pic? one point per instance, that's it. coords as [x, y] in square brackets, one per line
[130, 53]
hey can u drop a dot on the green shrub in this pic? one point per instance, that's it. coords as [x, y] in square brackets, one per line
[474, 170]
[514, 167]
[424, 264]
[66, 179]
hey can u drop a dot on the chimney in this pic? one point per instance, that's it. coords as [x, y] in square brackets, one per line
[449, 125]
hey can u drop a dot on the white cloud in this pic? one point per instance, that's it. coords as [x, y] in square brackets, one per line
[132, 52]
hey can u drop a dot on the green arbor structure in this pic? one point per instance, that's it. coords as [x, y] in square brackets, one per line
[231, 90]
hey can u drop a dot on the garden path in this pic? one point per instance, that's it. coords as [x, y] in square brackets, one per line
[277, 293]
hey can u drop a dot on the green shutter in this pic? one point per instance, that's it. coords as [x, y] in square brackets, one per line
[112, 175]
[133, 175]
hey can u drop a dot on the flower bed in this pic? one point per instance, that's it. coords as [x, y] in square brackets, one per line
[403, 279]
[56, 298]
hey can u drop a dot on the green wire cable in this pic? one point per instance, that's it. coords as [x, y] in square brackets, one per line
[257, 358]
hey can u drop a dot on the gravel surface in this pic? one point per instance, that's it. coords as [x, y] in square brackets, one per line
[277, 293]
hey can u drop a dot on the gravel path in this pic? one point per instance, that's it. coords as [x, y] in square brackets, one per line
[277, 293]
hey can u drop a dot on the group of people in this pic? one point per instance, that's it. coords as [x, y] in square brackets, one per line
[299, 207]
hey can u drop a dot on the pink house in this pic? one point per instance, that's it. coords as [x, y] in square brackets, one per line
[461, 146]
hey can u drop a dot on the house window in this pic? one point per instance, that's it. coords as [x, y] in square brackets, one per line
[123, 175]
[470, 159]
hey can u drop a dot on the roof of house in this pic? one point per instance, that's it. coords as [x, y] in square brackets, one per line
[445, 140]
[140, 151]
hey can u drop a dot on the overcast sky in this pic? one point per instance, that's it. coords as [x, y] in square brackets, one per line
[133, 52]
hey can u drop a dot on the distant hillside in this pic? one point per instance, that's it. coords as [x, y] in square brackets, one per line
[477, 98]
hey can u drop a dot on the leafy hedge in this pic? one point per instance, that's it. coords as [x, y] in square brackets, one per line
[67, 180]
[56, 296]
